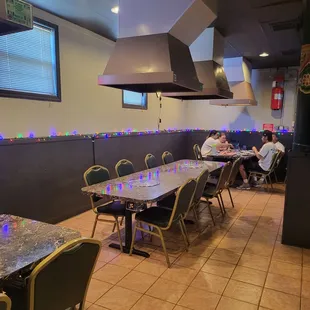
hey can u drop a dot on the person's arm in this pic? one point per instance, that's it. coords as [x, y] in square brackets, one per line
[257, 153]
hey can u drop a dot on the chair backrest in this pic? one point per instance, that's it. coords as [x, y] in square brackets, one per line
[124, 167]
[5, 302]
[183, 201]
[150, 161]
[224, 176]
[94, 175]
[234, 171]
[201, 184]
[61, 280]
[197, 152]
[279, 158]
[167, 158]
[275, 157]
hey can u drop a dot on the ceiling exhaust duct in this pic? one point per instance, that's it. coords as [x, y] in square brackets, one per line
[152, 53]
[238, 72]
[208, 53]
[15, 16]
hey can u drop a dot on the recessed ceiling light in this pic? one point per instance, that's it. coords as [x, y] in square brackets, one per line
[115, 9]
[264, 54]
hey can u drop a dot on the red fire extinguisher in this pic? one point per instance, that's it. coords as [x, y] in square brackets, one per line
[277, 94]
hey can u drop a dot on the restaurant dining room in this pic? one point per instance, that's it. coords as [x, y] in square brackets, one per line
[154, 154]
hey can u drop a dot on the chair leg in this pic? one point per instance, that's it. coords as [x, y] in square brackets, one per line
[271, 183]
[219, 202]
[95, 225]
[231, 199]
[222, 201]
[164, 246]
[133, 239]
[185, 233]
[122, 221]
[209, 207]
[119, 234]
[114, 226]
[275, 177]
[196, 218]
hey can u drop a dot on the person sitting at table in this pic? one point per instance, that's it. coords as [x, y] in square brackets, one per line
[222, 143]
[212, 144]
[277, 143]
[262, 160]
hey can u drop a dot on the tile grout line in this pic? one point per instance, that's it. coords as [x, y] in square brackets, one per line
[230, 278]
[274, 245]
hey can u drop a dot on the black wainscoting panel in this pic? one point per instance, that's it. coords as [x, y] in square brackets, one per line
[43, 181]
[296, 227]
[134, 148]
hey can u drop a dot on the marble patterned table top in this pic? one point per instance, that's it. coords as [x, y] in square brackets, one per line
[154, 184]
[234, 154]
[24, 242]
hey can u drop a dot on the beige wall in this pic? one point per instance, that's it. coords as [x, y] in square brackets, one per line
[202, 115]
[85, 107]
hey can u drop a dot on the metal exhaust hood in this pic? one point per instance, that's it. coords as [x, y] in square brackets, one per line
[152, 53]
[15, 16]
[238, 72]
[208, 53]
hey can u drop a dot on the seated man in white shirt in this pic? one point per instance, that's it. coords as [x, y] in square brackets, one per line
[277, 143]
[263, 159]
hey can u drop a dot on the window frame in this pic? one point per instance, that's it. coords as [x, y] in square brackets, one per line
[35, 96]
[134, 106]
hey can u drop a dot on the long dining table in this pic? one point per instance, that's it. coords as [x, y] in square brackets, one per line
[24, 242]
[148, 186]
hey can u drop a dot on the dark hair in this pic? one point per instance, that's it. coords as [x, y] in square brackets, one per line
[212, 133]
[268, 135]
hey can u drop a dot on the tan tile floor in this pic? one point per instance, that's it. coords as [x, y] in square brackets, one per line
[238, 265]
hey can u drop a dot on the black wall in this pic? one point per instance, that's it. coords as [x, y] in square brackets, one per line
[43, 180]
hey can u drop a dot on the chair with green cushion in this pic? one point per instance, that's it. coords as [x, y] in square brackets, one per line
[124, 167]
[216, 191]
[94, 175]
[5, 302]
[197, 152]
[150, 161]
[162, 218]
[167, 158]
[62, 279]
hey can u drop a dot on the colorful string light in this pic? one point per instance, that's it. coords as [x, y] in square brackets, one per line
[127, 132]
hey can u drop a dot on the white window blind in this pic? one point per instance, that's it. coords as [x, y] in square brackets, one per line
[28, 61]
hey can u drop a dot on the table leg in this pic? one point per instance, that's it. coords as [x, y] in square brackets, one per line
[128, 237]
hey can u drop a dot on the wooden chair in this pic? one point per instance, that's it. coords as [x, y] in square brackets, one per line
[62, 279]
[162, 219]
[94, 175]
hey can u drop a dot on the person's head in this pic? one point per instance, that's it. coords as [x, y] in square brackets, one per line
[213, 134]
[274, 138]
[267, 136]
[223, 138]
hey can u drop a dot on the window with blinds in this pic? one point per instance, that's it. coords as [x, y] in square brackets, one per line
[29, 63]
